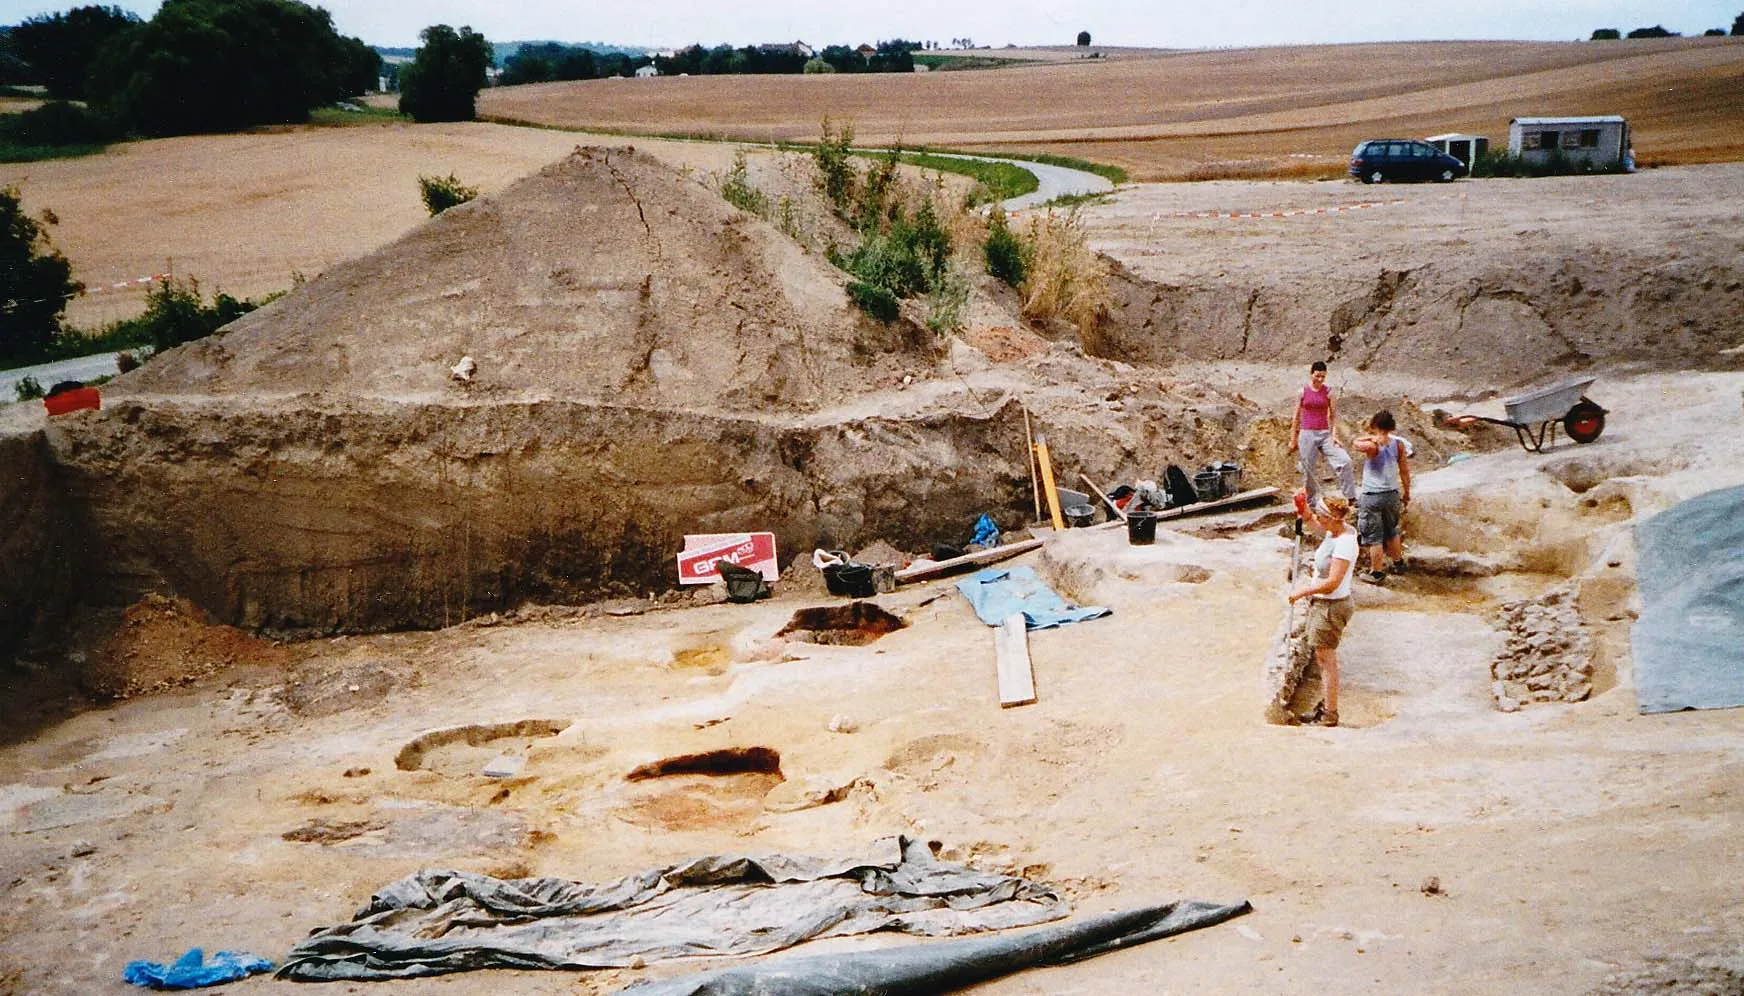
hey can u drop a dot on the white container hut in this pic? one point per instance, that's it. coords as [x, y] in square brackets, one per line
[1466, 148]
[1593, 141]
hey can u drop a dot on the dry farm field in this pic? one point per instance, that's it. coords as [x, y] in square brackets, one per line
[1268, 112]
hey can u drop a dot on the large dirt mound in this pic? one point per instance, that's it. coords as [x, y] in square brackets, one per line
[607, 276]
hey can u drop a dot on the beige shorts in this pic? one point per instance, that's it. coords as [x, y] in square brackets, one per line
[1326, 621]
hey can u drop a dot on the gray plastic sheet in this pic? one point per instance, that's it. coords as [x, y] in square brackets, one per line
[434, 922]
[1689, 640]
[924, 969]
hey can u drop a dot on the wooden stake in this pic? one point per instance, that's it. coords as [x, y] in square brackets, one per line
[1035, 486]
[1047, 465]
[1112, 507]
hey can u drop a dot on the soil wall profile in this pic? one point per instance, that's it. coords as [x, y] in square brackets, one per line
[389, 515]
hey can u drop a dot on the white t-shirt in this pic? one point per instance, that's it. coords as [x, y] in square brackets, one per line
[1340, 547]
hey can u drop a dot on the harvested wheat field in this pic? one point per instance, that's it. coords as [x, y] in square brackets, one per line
[1293, 111]
[309, 607]
[249, 214]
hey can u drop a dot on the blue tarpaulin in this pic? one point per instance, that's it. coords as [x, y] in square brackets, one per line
[1689, 640]
[998, 592]
[193, 971]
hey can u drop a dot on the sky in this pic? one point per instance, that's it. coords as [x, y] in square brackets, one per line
[1169, 24]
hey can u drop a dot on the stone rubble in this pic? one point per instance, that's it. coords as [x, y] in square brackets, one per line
[1548, 656]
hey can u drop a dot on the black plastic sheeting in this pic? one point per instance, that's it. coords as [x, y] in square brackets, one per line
[436, 922]
[923, 969]
[1689, 640]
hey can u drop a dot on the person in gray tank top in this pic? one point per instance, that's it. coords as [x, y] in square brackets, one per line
[1383, 496]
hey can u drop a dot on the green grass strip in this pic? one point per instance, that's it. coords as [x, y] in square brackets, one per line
[1002, 180]
[10, 153]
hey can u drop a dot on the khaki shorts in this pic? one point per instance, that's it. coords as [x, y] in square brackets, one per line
[1326, 621]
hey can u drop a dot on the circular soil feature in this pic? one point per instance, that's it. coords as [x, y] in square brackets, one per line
[853, 625]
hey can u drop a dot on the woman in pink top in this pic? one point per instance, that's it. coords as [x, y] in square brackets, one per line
[1314, 433]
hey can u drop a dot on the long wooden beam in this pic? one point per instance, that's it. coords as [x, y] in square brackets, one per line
[1204, 507]
[920, 572]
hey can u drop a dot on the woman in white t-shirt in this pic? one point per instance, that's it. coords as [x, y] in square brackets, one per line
[1328, 591]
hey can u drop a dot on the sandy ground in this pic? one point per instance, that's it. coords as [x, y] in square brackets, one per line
[1435, 845]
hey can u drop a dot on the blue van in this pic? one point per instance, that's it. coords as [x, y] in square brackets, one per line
[1383, 159]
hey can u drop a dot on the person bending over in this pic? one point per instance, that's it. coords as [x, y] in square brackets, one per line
[1328, 591]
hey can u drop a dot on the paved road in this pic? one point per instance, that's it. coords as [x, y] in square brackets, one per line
[1054, 181]
[47, 374]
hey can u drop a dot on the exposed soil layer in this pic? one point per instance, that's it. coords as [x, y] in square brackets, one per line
[1488, 282]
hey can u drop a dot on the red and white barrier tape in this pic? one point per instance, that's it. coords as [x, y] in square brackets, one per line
[1336, 209]
[129, 284]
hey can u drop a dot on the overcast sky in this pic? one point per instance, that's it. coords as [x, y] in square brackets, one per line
[1176, 24]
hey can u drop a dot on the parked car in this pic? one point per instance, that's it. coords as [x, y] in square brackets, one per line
[1382, 159]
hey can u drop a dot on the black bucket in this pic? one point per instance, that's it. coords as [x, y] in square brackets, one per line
[851, 580]
[1141, 528]
[1231, 474]
[1079, 515]
[1208, 484]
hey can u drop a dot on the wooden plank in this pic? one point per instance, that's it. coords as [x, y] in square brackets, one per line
[1035, 480]
[920, 572]
[1112, 507]
[1011, 658]
[1047, 465]
[1204, 507]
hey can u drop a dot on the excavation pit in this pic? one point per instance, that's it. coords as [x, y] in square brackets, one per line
[853, 625]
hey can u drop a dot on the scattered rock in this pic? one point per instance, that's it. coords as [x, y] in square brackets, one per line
[1431, 886]
[1548, 656]
[840, 723]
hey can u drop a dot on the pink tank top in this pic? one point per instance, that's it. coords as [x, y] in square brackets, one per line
[1314, 407]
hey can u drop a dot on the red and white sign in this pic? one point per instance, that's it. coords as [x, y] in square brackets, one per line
[753, 551]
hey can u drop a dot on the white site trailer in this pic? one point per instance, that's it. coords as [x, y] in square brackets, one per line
[1593, 141]
[1467, 149]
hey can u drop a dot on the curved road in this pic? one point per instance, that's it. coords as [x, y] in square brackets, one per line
[47, 374]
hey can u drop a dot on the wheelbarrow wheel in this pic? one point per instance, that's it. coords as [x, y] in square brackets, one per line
[1584, 422]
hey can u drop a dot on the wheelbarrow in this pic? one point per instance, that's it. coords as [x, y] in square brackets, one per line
[1535, 415]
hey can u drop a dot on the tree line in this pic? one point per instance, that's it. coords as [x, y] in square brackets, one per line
[1659, 31]
[195, 66]
[550, 61]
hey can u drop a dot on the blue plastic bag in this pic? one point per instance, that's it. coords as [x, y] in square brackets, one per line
[192, 971]
[986, 533]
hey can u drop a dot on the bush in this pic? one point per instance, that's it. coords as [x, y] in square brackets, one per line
[1007, 257]
[835, 171]
[443, 192]
[874, 300]
[175, 313]
[1605, 34]
[817, 66]
[56, 123]
[737, 189]
[1066, 279]
[28, 389]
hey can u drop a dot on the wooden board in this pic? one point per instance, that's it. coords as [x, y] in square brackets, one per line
[1203, 507]
[1011, 658]
[920, 572]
